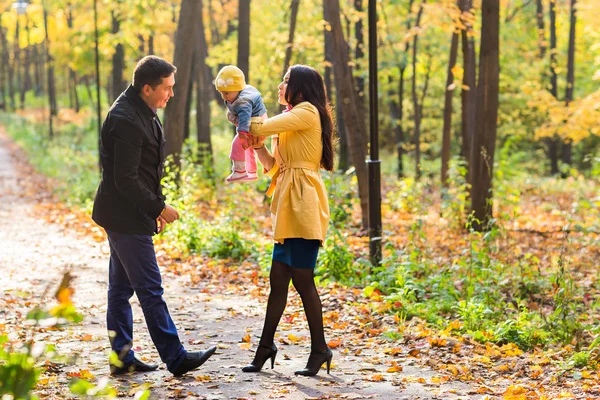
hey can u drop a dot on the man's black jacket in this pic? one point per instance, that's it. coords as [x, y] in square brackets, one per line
[129, 198]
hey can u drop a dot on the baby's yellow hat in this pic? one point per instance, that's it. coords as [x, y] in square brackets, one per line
[230, 79]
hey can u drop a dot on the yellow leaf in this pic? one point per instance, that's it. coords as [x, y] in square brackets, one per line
[453, 369]
[294, 339]
[415, 379]
[43, 382]
[376, 378]
[333, 344]
[414, 352]
[514, 390]
[458, 71]
[393, 351]
[438, 380]
[395, 367]
[536, 371]
[64, 291]
[437, 342]
[246, 339]
[245, 346]
[64, 296]
[586, 375]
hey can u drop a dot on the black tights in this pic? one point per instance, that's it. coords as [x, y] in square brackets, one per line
[303, 280]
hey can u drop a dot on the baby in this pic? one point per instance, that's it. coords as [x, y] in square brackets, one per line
[243, 102]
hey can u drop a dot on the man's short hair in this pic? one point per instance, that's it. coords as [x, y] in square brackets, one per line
[151, 70]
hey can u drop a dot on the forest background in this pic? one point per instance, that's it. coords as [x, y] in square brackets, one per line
[500, 245]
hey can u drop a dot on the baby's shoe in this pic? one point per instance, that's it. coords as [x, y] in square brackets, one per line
[237, 176]
[251, 176]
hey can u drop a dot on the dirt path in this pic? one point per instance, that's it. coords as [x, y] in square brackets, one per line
[33, 254]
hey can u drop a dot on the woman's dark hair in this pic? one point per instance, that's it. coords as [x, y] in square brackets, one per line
[306, 84]
[151, 70]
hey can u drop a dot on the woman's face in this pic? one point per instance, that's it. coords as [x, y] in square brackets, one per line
[282, 89]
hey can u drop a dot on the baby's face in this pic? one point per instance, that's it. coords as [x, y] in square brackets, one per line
[229, 96]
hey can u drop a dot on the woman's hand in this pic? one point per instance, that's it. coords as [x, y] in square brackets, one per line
[256, 141]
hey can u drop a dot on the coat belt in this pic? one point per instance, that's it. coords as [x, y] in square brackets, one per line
[280, 169]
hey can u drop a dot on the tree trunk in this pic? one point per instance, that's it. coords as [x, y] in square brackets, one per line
[151, 45]
[17, 58]
[359, 53]
[343, 162]
[400, 136]
[118, 60]
[396, 115]
[449, 94]
[290, 42]
[26, 84]
[38, 69]
[567, 148]
[188, 103]
[327, 54]
[88, 88]
[50, 69]
[415, 100]
[243, 55]
[141, 47]
[72, 75]
[484, 144]
[553, 142]
[204, 90]
[185, 39]
[3, 66]
[355, 123]
[51, 84]
[469, 90]
[212, 22]
[10, 71]
[541, 29]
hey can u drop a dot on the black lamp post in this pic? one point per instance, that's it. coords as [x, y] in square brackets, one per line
[374, 164]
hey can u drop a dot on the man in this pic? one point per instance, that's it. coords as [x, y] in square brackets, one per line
[130, 206]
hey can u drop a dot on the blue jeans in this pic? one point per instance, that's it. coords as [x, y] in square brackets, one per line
[133, 269]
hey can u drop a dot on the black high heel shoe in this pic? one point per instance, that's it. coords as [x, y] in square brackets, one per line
[315, 362]
[263, 353]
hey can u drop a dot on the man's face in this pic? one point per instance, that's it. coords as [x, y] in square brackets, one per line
[229, 96]
[160, 96]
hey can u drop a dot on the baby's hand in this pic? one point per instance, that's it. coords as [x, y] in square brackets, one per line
[244, 139]
[231, 117]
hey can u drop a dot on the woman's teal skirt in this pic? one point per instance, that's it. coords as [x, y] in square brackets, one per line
[297, 252]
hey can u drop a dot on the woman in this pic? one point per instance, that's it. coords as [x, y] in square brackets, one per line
[300, 210]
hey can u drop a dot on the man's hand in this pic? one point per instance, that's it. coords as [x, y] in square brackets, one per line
[160, 224]
[169, 214]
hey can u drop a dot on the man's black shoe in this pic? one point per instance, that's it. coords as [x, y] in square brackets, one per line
[135, 366]
[193, 360]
